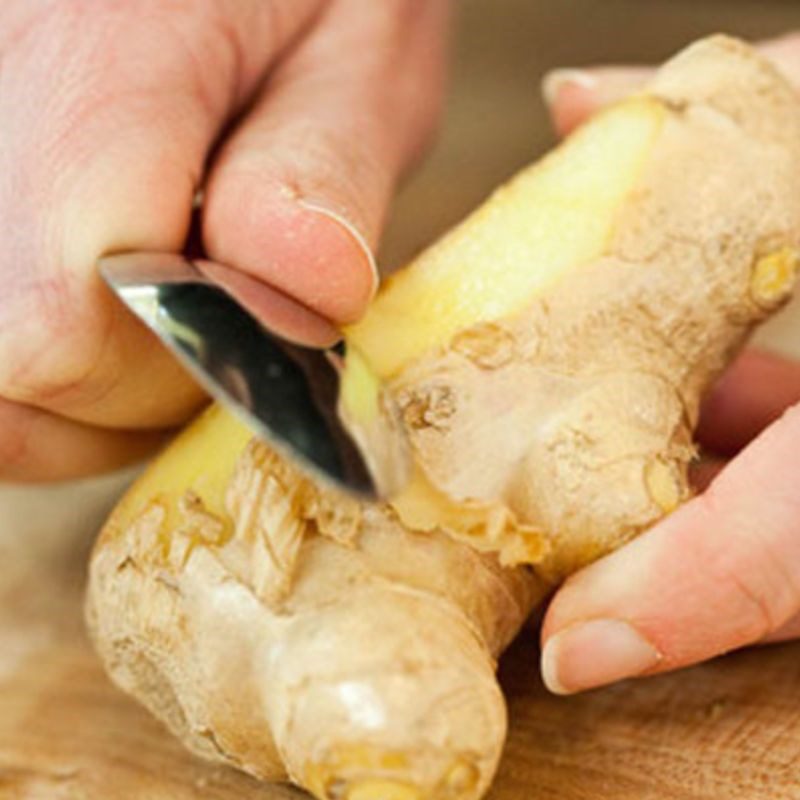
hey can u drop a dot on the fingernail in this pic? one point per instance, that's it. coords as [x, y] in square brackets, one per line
[595, 653]
[555, 80]
[354, 233]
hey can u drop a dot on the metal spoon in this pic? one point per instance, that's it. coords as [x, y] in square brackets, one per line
[286, 393]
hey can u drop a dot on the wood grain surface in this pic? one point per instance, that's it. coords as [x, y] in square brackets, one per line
[725, 730]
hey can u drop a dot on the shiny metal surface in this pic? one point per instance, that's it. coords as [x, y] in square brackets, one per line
[287, 394]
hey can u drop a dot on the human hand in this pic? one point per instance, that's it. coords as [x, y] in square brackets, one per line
[112, 118]
[723, 571]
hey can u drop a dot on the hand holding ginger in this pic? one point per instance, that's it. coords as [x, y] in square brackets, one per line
[724, 570]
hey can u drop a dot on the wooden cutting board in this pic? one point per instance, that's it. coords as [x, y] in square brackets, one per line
[729, 729]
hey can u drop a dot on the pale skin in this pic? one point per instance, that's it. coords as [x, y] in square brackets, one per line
[297, 117]
[113, 118]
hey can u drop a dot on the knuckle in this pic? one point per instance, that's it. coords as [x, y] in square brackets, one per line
[754, 600]
[50, 350]
[762, 579]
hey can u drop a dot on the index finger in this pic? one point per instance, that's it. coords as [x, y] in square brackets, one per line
[573, 95]
[756, 389]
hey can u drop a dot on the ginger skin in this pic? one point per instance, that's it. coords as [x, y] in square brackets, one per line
[559, 426]
[357, 666]
[547, 360]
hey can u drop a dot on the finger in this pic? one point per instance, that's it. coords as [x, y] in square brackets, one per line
[573, 95]
[784, 52]
[721, 572]
[108, 115]
[298, 196]
[752, 394]
[38, 445]
[703, 472]
[280, 313]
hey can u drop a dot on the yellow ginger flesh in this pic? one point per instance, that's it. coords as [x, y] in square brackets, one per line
[475, 273]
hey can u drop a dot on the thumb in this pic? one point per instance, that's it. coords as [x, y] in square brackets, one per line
[720, 573]
[573, 95]
[298, 195]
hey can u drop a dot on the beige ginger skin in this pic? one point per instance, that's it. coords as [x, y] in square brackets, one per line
[298, 640]
[567, 428]
[552, 354]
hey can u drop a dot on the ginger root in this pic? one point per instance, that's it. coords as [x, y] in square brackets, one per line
[549, 355]
[548, 358]
[297, 634]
